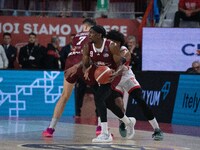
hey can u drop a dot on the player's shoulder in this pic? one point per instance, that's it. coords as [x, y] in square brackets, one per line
[83, 33]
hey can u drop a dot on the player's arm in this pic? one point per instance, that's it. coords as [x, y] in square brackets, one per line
[126, 54]
[115, 50]
[86, 57]
[118, 58]
[86, 61]
[72, 70]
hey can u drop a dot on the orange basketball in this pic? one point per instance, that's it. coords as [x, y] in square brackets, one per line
[102, 74]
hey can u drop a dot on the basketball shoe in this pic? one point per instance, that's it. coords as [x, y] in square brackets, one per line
[48, 132]
[98, 130]
[122, 129]
[130, 131]
[157, 135]
[103, 138]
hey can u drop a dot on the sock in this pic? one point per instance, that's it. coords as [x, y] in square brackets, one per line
[99, 121]
[53, 123]
[104, 127]
[154, 123]
[125, 120]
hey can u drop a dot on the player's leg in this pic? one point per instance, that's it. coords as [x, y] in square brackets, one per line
[119, 102]
[128, 122]
[122, 127]
[80, 89]
[100, 95]
[137, 95]
[132, 86]
[58, 110]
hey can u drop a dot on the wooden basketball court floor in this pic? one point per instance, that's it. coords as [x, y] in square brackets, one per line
[77, 133]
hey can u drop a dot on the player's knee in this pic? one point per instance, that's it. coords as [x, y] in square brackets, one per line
[119, 102]
[65, 96]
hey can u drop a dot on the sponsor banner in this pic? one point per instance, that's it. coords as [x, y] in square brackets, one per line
[31, 93]
[159, 91]
[46, 27]
[169, 49]
[187, 106]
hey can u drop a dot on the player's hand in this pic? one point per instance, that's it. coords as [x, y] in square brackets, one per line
[86, 73]
[119, 71]
[71, 71]
[112, 77]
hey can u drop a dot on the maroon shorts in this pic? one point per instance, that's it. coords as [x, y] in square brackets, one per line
[72, 60]
[79, 74]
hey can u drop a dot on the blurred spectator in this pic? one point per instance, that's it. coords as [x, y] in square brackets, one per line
[2, 4]
[136, 58]
[53, 59]
[188, 10]
[195, 67]
[26, 5]
[3, 59]
[65, 51]
[11, 51]
[31, 56]
[65, 14]
[42, 5]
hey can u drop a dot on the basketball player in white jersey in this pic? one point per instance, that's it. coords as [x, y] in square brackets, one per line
[126, 81]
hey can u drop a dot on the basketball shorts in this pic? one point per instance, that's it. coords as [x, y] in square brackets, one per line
[127, 82]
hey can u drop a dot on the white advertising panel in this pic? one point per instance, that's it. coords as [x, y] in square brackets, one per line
[169, 49]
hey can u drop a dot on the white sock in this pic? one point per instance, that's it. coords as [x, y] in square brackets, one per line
[53, 123]
[104, 127]
[154, 123]
[99, 121]
[125, 120]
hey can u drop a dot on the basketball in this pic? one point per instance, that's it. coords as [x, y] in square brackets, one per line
[102, 74]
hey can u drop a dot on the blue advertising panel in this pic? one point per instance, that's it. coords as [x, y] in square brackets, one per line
[187, 103]
[31, 93]
[159, 92]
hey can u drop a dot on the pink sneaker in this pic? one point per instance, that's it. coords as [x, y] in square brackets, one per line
[48, 132]
[98, 130]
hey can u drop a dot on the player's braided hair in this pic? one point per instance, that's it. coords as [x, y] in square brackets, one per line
[116, 36]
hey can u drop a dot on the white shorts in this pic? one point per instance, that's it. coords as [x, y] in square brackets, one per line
[127, 82]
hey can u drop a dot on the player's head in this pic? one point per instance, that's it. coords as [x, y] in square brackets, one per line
[96, 33]
[88, 23]
[116, 36]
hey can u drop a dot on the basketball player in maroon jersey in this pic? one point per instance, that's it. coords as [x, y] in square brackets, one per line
[104, 52]
[127, 81]
[73, 60]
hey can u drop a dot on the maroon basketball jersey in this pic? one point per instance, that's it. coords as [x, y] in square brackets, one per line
[75, 56]
[102, 56]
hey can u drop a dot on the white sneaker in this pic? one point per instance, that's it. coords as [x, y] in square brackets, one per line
[130, 128]
[103, 138]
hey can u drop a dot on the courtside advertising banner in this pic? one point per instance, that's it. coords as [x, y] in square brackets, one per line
[46, 27]
[187, 103]
[32, 93]
[159, 92]
[169, 49]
